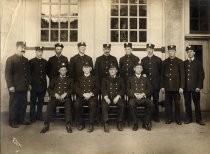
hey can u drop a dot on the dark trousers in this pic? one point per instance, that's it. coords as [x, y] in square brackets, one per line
[51, 108]
[147, 103]
[195, 96]
[155, 96]
[37, 99]
[78, 106]
[17, 106]
[170, 97]
[105, 109]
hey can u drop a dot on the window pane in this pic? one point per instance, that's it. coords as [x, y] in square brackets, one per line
[123, 23]
[123, 1]
[142, 23]
[114, 10]
[74, 1]
[142, 36]
[204, 12]
[142, 10]
[55, 10]
[74, 23]
[142, 1]
[133, 36]
[114, 36]
[123, 10]
[44, 35]
[54, 23]
[73, 35]
[54, 35]
[64, 23]
[64, 10]
[123, 36]
[204, 25]
[133, 1]
[44, 22]
[45, 10]
[133, 10]
[133, 23]
[64, 35]
[54, 1]
[73, 10]
[114, 23]
[115, 1]
[194, 25]
[194, 12]
[204, 2]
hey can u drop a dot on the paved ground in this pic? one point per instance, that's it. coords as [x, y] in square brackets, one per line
[163, 139]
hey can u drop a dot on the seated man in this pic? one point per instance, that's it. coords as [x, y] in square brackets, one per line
[60, 90]
[113, 90]
[86, 88]
[139, 90]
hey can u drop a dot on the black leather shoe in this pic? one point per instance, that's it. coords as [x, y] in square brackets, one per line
[135, 127]
[106, 127]
[200, 122]
[188, 121]
[25, 123]
[45, 129]
[68, 128]
[179, 122]
[90, 128]
[81, 127]
[147, 127]
[14, 125]
[168, 122]
[119, 126]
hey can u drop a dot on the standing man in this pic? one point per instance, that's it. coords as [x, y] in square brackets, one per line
[152, 68]
[55, 61]
[194, 76]
[60, 90]
[87, 88]
[103, 62]
[139, 90]
[113, 90]
[38, 67]
[77, 62]
[172, 84]
[127, 62]
[17, 74]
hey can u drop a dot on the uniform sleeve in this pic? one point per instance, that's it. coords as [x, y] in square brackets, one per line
[130, 92]
[104, 87]
[162, 75]
[182, 74]
[122, 88]
[96, 87]
[48, 67]
[51, 87]
[29, 72]
[96, 69]
[9, 73]
[120, 66]
[91, 63]
[78, 88]
[71, 67]
[201, 75]
[70, 88]
[149, 89]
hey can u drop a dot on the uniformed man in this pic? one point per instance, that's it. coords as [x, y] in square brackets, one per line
[60, 90]
[87, 88]
[55, 61]
[172, 84]
[17, 74]
[152, 68]
[103, 62]
[194, 76]
[77, 62]
[139, 90]
[113, 90]
[127, 62]
[38, 67]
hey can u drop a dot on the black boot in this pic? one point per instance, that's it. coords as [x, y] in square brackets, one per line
[68, 128]
[14, 125]
[119, 126]
[90, 128]
[81, 127]
[45, 128]
[135, 127]
[106, 127]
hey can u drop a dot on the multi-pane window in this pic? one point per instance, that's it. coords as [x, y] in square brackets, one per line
[128, 21]
[59, 21]
[200, 16]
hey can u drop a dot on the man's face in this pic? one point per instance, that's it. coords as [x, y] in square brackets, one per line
[21, 50]
[63, 71]
[150, 51]
[190, 53]
[106, 51]
[172, 53]
[128, 50]
[113, 71]
[39, 53]
[138, 69]
[58, 50]
[87, 69]
[82, 49]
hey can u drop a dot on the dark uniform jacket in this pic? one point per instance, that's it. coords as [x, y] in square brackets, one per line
[53, 65]
[17, 73]
[102, 65]
[194, 75]
[172, 74]
[38, 69]
[138, 85]
[112, 87]
[76, 64]
[127, 64]
[152, 68]
[87, 84]
[60, 85]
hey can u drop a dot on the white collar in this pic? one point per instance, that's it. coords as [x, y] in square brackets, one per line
[81, 54]
[191, 59]
[138, 76]
[62, 76]
[86, 75]
[150, 55]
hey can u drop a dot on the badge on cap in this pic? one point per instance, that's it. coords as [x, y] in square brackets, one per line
[59, 45]
[106, 45]
[39, 48]
[63, 65]
[149, 45]
[171, 47]
[189, 47]
[127, 45]
[86, 64]
[138, 63]
[81, 44]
